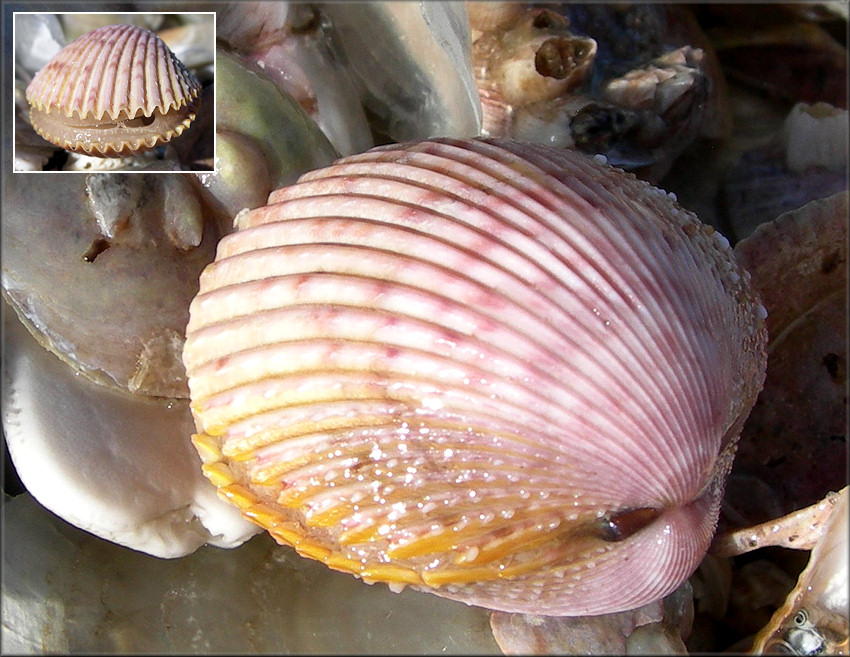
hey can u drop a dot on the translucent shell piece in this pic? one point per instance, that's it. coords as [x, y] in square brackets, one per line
[113, 92]
[500, 372]
[814, 618]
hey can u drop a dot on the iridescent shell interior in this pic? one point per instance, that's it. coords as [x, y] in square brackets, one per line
[499, 372]
[115, 91]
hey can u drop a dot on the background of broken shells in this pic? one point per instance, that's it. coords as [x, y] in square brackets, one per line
[74, 592]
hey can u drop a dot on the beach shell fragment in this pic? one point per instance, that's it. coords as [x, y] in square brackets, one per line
[113, 92]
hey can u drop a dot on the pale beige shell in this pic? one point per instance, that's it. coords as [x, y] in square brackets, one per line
[117, 90]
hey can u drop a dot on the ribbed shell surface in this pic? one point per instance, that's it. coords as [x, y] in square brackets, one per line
[112, 70]
[499, 372]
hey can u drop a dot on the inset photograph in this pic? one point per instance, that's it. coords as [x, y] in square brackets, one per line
[114, 92]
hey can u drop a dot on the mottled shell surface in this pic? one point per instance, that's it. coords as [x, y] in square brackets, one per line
[503, 373]
[115, 91]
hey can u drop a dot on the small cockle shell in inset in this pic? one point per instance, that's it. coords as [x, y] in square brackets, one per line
[114, 92]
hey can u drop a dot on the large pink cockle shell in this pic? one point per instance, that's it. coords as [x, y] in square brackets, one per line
[500, 372]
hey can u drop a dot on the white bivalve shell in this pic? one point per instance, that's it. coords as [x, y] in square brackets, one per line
[113, 92]
[503, 373]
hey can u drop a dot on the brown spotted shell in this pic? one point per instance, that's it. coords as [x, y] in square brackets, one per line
[500, 372]
[116, 91]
